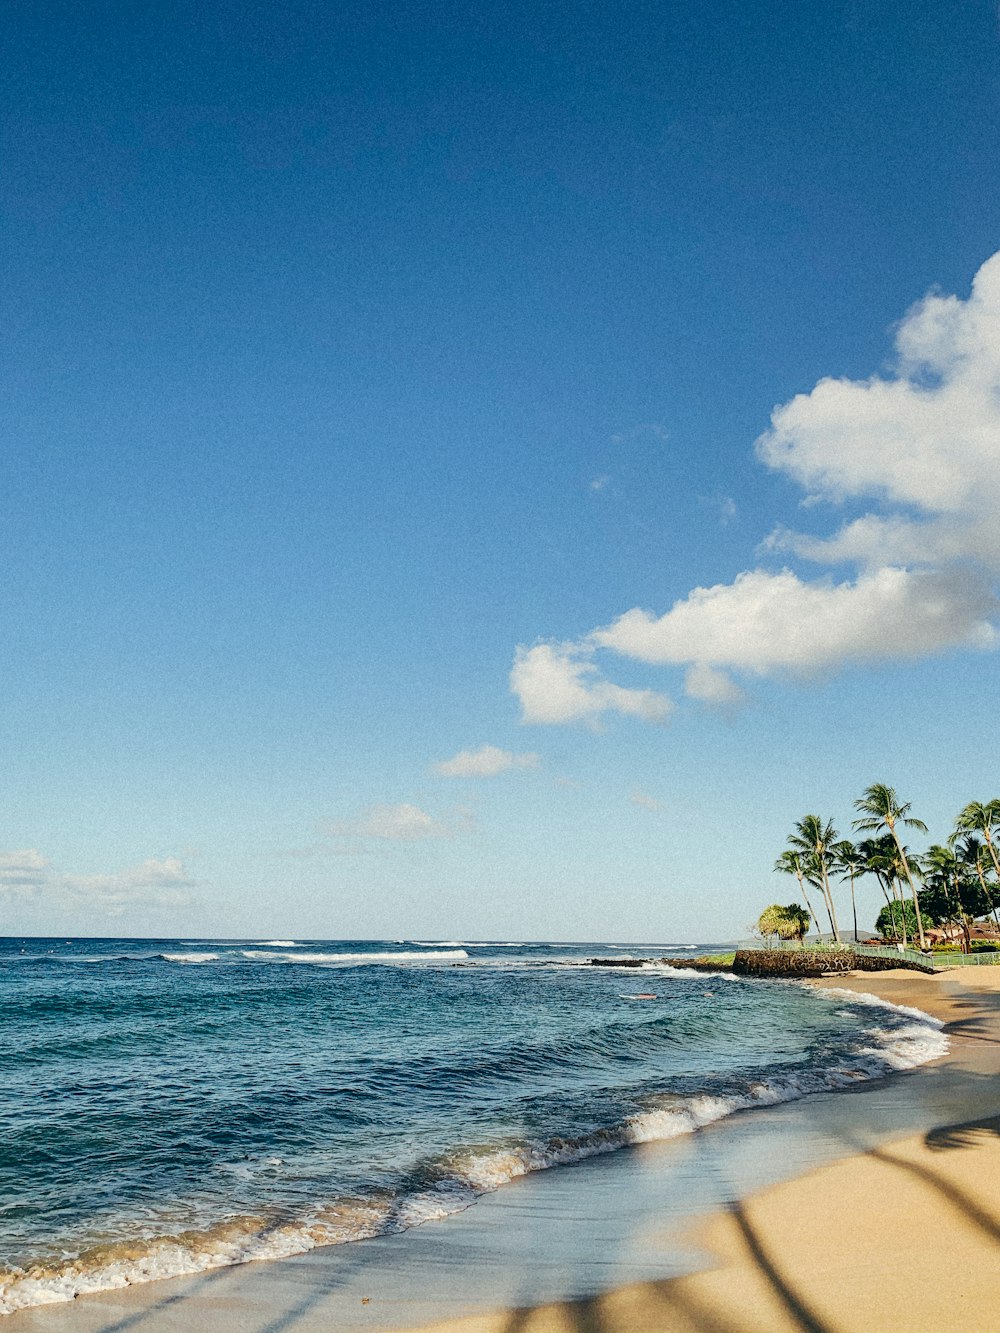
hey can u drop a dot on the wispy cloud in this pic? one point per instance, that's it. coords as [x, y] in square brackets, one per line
[486, 762]
[396, 823]
[713, 688]
[918, 571]
[645, 430]
[645, 802]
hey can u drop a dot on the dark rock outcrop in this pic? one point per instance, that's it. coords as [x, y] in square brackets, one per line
[814, 963]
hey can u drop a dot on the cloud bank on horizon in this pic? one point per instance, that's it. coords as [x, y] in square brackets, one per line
[922, 448]
[153, 883]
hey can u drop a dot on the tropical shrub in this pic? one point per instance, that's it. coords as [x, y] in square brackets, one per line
[893, 916]
[786, 923]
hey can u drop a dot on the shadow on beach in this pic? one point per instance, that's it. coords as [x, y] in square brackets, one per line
[670, 1305]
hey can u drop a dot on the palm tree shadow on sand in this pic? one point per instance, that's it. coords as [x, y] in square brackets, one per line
[670, 1305]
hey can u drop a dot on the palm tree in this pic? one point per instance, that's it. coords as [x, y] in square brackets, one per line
[881, 809]
[848, 860]
[813, 840]
[881, 859]
[972, 852]
[978, 817]
[790, 863]
[943, 871]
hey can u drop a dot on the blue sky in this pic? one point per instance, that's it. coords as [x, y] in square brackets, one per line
[352, 350]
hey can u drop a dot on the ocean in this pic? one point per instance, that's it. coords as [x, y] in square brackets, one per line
[168, 1106]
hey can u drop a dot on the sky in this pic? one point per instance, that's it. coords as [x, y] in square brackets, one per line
[479, 471]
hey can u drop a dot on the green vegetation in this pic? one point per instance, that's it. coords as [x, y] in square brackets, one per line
[784, 923]
[959, 879]
[718, 959]
[895, 920]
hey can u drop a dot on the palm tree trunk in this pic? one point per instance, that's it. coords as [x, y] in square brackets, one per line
[961, 916]
[888, 902]
[802, 890]
[913, 890]
[829, 901]
[829, 909]
[854, 909]
[898, 895]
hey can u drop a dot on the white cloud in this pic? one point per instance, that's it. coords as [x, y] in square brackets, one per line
[763, 622]
[600, 483]
[486, 762]
[925, 442]
[644, 802]
[394, 823]
[918, 571]
[155, 883]
[556, 683]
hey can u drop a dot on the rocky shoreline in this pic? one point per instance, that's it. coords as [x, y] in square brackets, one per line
[777, 963]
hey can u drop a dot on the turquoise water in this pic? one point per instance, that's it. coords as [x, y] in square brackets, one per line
[167, 1106]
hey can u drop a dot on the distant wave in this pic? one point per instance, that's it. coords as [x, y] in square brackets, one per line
[278, 944]
[465, 944]
[455, 1181]
[189, 957]
[425, 955]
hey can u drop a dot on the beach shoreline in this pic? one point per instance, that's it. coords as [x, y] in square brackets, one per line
[416, 1281]
[901, 1236]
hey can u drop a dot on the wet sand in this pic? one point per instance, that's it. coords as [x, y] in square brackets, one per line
[882, 1218]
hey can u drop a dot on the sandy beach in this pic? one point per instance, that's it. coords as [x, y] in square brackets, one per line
[888, 1221]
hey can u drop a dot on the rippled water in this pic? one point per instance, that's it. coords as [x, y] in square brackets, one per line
[167, 1106]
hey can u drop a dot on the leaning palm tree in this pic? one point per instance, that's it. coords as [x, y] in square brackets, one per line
[848, 862]
[880, 809]
[813, 840]
[791, 863]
